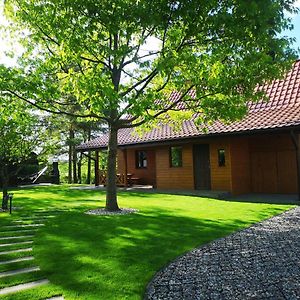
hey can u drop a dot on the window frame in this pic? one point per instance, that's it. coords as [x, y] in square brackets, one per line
[221, 157]
[170, 157]
[137, 157]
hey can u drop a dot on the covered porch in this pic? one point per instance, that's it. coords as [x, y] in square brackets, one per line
[135, 167]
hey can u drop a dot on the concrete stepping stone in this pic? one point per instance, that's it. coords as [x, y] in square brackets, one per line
[34, 217]
[23, 222]
[23, 286]
[19, 271]
[56, 298]
[18, 243]
[16, 251]
[20, 231]
[16, 237]
[23, 225]
[26, 258]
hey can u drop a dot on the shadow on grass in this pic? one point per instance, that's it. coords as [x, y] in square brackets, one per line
[114, 257]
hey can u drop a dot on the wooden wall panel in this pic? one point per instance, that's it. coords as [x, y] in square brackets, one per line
[261, 163]
[174, 178]
[273, 164]
[220, 176]
[120, 162]
[146, 175]
[240, 165]
[287, 171]
[264, 172]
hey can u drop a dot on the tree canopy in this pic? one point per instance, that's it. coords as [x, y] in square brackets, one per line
[19, 138]
[118, 61]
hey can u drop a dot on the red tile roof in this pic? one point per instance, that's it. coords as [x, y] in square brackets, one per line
[281, 111]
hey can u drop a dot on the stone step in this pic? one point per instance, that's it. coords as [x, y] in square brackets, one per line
[16, 237]
[23, 225]
[13, 244]
[23, 218]
[26, 258]
[23, 286]
[20, 231]
[48, 211]
[23, 222]
[19, 271]
[16, 251]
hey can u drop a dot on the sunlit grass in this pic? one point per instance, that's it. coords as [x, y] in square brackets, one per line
[114, 257]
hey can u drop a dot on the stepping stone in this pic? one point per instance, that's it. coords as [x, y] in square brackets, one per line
[23, 225]
[18, 231]
[16, 237]
[19, 243]
[6, 262]
[16, 251]
[22, 222]
[35, 217]
[23, 286]
[56, 298]
[19, 271]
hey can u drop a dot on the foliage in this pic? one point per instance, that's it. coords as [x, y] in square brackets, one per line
[118, 61]
[101, 257]
[19, 137]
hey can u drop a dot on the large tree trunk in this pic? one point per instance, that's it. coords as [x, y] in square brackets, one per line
[111, 192]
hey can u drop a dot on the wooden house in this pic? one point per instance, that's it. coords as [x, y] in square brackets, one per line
[258, 154]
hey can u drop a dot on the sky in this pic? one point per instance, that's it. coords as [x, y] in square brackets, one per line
[5, 44]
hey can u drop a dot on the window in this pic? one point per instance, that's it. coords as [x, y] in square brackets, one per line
[140, 159]
[221, 157]
[176, 156]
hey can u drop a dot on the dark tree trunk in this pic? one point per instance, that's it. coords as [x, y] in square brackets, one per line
[111, 191]
[74, 160]
[89, 163]
[79, 168]
[71, 136]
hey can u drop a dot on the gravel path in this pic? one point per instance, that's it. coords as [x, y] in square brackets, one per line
[261, 262]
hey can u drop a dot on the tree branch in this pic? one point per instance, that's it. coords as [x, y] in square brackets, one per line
[58, 111]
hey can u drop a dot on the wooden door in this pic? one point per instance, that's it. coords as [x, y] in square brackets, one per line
[264, 172]
[201, 167]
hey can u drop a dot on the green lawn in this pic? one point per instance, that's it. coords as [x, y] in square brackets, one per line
[114, 257]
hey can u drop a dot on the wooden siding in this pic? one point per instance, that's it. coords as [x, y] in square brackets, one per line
[183, 178]
[174, 178]
[273, 164]
[240, 166]
[260, 163]
[145, 175]
[220, 176]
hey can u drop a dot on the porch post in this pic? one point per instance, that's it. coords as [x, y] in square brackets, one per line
[97, 168]
[296, 141]
[125, 166]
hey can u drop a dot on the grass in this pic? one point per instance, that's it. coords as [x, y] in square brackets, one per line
[114, 257]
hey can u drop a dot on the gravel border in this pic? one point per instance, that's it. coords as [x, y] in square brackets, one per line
[104, 212]
[259, 262]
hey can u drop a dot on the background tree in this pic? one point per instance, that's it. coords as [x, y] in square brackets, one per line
[19, 136]
[121, 59]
